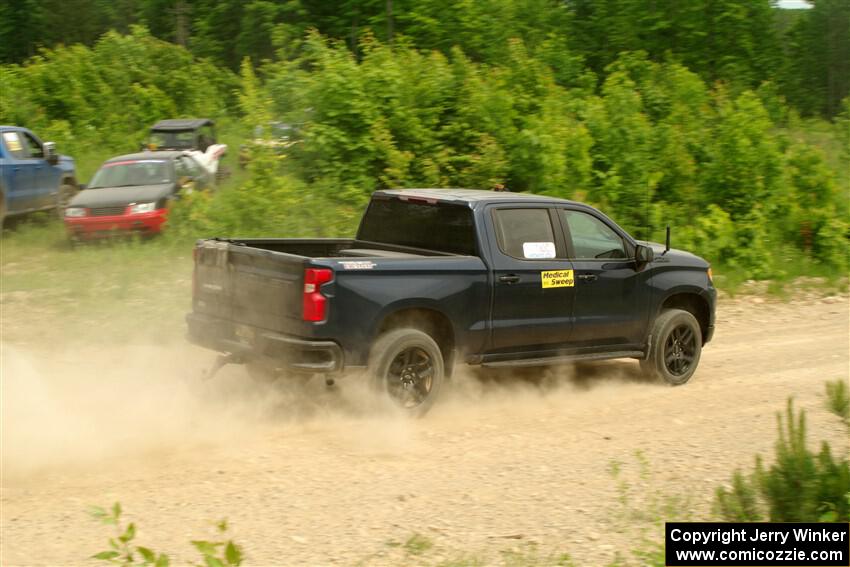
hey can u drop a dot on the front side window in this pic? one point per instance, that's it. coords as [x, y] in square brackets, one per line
[592, 238]
[525, 233]
[35, 149]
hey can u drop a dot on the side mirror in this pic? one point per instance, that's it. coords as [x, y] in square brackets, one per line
[644, 254]
[82, 186]
[50, 153]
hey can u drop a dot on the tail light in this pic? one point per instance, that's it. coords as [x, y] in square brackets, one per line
[315, 304]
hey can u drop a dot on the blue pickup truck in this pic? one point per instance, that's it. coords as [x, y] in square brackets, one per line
[33, 177]
[436, 277]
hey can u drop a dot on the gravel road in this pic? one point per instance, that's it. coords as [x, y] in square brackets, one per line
[576, 460]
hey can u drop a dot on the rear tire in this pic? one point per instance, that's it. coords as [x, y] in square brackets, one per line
[676, 347]
[406, 365]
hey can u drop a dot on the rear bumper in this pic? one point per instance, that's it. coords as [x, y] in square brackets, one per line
[85, 228]
[252, 343]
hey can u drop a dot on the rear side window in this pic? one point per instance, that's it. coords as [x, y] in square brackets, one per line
[439, 226]
[525, 233]
[13, 143]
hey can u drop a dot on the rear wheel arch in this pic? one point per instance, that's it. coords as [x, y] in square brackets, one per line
[432, 322]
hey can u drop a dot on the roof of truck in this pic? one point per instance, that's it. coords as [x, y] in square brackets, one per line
[471, 195]
[179, 124]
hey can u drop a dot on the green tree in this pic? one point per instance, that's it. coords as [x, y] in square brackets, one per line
[817, 73]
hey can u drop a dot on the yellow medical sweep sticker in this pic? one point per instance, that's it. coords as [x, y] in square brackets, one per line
[557, 278]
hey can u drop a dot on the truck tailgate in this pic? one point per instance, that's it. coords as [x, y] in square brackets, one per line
[249, 286]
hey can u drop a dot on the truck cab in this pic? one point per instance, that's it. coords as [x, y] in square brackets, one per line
[33, 177]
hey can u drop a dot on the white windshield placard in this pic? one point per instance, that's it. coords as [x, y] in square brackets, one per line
[538, 250]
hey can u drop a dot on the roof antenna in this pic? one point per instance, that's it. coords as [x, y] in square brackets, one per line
[667, 244]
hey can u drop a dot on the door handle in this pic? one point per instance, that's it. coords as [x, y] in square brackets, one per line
[586, 277]
[509, 279]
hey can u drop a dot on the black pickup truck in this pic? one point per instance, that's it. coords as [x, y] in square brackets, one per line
[439, 276]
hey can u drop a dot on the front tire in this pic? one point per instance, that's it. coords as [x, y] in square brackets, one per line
[407, 366]
[66, 192]
[675, 349]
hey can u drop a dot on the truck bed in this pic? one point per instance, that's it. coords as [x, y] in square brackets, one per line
[333, 248]
[256, 286]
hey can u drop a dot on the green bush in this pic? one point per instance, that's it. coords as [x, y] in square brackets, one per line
[838, 399]
[125, 552]
[102, 99]
[650, 143]
[800, 486]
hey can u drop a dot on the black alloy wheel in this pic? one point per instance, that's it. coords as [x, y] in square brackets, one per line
[675, 347]
[410, 377]
[680, 350]
[407, 366]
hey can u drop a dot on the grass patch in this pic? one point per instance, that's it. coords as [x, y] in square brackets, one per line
[116, 290]
[838, 399]
[417, 544]
[51, 291]
[804, 276]
[529, 555]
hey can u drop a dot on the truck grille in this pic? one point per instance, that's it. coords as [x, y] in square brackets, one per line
[107, 211]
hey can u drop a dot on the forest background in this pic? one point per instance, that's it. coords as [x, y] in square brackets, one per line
[727, 119]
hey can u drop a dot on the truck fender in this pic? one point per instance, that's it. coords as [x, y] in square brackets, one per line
[422, 313]
[689, 298]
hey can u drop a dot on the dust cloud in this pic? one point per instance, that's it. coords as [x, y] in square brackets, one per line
[90, 406]
[477, 394]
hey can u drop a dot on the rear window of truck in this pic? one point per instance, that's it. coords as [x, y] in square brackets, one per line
[438, 226]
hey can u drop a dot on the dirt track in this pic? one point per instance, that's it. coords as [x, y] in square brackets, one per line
[322, 478]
